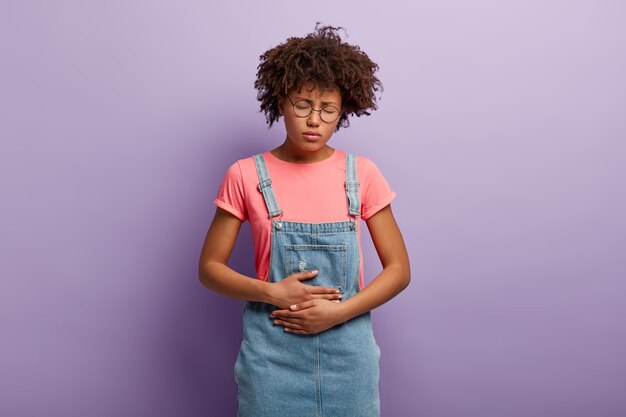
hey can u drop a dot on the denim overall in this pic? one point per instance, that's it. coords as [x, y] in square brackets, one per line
[331, 374]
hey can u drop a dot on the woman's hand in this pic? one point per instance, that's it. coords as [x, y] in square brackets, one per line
[291, 290]
[310, 317]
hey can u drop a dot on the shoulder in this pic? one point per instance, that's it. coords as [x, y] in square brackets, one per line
[366, 168]
[240, 175]
[376, 193]
[364, 163]
[242, 168]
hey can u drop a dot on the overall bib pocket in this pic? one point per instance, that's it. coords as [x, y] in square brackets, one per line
[330, 260]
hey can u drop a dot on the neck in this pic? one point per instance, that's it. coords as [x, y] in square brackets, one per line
[287, 153]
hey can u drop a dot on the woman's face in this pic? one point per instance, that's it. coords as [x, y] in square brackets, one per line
[308, 135]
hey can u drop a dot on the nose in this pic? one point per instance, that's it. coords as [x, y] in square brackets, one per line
[314, 118]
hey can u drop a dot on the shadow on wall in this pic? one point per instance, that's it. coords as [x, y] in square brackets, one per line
[223, 316]
[223, 333]
[201, 334]
[200, 337]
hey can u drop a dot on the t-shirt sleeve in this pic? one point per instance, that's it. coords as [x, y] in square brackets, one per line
[376, 194]
[230, 195]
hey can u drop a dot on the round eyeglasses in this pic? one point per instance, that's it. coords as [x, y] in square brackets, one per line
[302, 108]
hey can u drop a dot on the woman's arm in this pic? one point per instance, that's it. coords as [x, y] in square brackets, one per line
[396, 273]
[317, 315]
[213, 270]
[215, 274]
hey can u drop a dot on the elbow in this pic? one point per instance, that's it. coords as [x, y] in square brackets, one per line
[405, 274]
[402, 276]
[204, 274]
[201, 268]
[406, 278]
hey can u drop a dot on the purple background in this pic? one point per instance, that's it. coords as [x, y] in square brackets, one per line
[502, 128]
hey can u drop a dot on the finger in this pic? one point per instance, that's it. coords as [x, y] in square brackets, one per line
[289, 324]
[294, 320]
[301, 276]
[313, 289]
[288, 330]
[327, 296]
[287, 314]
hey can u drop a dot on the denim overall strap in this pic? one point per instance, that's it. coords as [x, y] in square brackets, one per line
[265, 186]
[352, 186]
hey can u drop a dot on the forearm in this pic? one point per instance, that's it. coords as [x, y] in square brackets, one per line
[225, 281]
[396, 273]
[389, 283]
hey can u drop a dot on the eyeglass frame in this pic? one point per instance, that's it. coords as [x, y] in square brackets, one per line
[312, 110]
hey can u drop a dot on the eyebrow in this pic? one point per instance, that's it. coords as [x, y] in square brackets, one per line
[324, 103]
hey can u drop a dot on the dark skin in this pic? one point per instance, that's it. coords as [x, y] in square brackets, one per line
[315, 316]
[216, 275]
[306, 309]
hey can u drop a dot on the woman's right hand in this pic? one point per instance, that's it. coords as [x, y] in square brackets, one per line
[291, 290]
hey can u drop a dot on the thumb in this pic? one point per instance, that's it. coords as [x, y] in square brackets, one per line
[301, 276]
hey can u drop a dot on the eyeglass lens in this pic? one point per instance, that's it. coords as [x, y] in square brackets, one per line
[328, 114]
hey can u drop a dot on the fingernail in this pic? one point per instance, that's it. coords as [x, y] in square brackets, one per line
[315, 271]
[293, 307]
[275, 321]
[340, 295]
[336, 301]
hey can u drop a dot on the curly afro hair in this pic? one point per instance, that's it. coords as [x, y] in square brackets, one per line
[323, 61]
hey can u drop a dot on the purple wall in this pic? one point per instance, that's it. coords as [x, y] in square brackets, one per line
[502, 128]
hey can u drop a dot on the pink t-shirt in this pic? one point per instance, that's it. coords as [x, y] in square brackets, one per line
[310, 193]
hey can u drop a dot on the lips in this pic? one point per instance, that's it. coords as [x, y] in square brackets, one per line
[312, 136]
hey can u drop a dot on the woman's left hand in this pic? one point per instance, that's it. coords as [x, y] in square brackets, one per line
[309, 317]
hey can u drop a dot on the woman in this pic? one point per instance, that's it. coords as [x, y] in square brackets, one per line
[308, 347]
